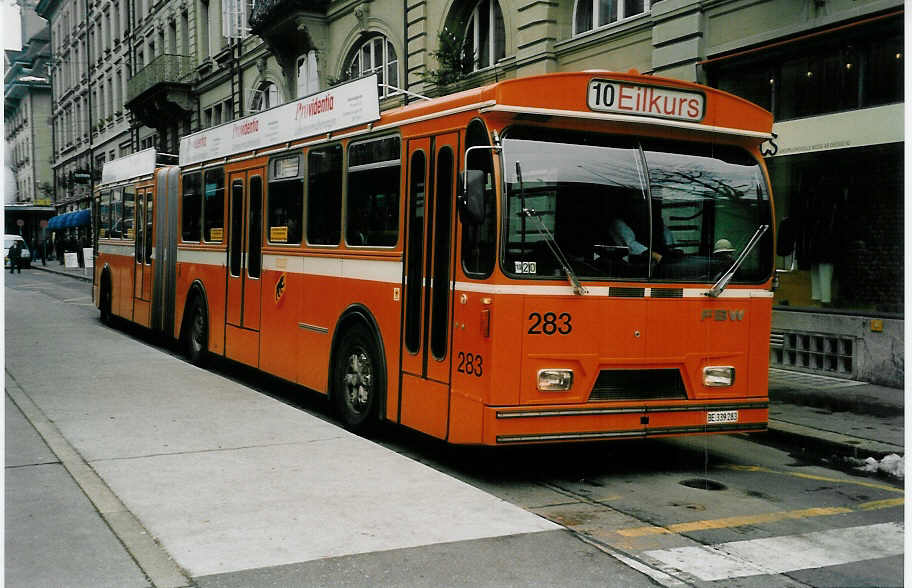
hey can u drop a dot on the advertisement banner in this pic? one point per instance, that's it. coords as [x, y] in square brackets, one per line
[344, 106]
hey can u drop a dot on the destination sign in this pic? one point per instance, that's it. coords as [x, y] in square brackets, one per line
[636, 99]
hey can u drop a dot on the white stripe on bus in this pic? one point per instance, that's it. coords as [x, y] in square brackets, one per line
[388, 271]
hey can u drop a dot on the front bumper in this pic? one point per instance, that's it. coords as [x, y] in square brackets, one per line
[546, 424]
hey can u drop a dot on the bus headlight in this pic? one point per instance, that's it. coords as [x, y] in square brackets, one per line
[718, 376]
[551, 380]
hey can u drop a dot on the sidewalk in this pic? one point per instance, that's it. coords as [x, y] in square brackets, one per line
[843, 417]
[833, 415]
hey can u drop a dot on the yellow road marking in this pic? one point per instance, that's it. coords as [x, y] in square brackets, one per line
[773, 517]
[727, 522]
[877, 504]
[885, 487]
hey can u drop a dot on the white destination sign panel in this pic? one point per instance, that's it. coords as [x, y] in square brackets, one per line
[640, 100]
[135, 165]
[348, 105]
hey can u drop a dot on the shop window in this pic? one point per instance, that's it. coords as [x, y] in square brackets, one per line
[862, 70]
[377, 55]
[324, 195]
[883, 82]
[372, 210]
[285, 200]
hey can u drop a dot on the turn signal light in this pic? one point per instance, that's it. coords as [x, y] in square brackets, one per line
[555, 380]
[486, 322]
[718, 376]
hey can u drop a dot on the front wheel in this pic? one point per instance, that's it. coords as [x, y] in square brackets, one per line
[197, 336]
[357, 379]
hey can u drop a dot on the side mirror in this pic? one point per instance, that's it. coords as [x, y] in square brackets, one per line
[471, 202]
[787, 238]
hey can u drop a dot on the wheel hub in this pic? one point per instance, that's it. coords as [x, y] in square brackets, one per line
[358, 381]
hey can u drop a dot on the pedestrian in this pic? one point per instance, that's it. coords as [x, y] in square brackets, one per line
[15, 257]
[42, 246]
[58, 246]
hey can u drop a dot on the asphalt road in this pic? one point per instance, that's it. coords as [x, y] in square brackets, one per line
[723, 510]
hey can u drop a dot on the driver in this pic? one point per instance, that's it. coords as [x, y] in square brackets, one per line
[620, 231]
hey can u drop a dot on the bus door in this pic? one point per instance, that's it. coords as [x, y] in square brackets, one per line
[142, 278]
[428, 284]
[245, 263]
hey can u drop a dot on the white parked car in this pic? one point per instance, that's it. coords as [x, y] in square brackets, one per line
[8, 241]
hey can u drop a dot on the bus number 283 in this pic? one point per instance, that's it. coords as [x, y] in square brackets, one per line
[550, 323]
[470, 364]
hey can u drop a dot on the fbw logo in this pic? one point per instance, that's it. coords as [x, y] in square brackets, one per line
[722, 315]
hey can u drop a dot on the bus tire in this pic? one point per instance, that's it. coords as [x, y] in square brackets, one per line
[196, 338]
[357, 379]
[104, 302]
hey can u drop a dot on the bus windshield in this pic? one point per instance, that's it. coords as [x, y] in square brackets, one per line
[620, 207]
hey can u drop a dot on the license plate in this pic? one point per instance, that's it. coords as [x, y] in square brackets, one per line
[722, 416]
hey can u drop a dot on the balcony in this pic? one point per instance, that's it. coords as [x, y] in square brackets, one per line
[161, 91]
[267, 13]
[288, 29]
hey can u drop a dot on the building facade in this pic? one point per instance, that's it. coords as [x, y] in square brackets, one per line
[89, 70]
[831, 71]
[26, 110]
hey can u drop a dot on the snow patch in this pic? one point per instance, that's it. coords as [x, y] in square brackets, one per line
[893, 465]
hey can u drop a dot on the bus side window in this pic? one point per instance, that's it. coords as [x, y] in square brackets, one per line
[324, 195]
[148, 221]
[129, 198]
[191, 208]
[478, 241]
[104, 215]
[140, 226]
[214, 206]
[372, 211]
[116, 214]
[285, 201]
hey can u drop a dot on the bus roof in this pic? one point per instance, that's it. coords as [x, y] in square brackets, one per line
[136, 165]
[623, 98]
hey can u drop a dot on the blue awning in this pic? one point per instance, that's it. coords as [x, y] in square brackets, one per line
[67, 220]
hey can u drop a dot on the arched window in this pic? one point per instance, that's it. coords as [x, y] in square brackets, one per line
[375, 54]
[485, 34]
[590, 14]
[267, 96]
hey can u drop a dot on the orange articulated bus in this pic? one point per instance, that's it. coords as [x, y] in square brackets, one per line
[571, 256]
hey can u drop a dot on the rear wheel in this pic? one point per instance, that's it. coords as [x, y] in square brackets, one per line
[357, 379]
[196, 340]
[104, 303]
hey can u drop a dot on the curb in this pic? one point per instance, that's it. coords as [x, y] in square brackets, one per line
[856, 399]
[85, 278]
[827, 442]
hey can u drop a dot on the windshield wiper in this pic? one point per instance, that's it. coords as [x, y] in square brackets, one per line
[730, 272]
[549, 238]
